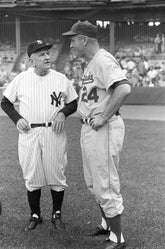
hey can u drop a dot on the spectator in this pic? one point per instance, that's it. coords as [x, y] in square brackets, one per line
[153, 76]
[163, 67]
[77, 73]
[146, 64]
[130, 65]
[158, 43]
[3, 76]
[123, 62]
[136, 78]
[163, 43]
[141, 67]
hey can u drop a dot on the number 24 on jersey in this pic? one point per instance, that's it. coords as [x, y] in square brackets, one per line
[92, 95]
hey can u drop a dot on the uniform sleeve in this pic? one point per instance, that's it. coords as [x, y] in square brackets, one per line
[69, 108]
[110, 71]
[118, 83]
[9, 109]
[11, 91]
[71, 92]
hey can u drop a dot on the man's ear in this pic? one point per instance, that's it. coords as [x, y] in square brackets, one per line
[31, 62]
[85, 40]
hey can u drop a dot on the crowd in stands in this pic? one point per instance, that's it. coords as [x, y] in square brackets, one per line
[7, 60]
[6, 45]
[141, 71]
[74, 68]
[133, 59]
[159, 43]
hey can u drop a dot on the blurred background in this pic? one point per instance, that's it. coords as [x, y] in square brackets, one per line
[132, 30]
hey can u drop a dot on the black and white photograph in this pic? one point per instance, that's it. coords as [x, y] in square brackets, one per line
[82, 124]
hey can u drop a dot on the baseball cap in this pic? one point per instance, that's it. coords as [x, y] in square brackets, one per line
[36, 46]
[82, 28]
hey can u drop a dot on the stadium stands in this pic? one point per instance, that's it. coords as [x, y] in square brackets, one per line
[7, 3]
[133, 39]
[7, 60]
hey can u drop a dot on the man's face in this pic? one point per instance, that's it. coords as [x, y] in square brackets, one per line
[77, 45]
[41, 60]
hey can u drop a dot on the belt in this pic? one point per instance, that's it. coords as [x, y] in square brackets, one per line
[46, 124]
[87, 120]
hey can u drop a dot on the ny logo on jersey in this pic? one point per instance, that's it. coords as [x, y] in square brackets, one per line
[56, 99]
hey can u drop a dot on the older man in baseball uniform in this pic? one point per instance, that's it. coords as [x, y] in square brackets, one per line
[46, 98]
[103, 91]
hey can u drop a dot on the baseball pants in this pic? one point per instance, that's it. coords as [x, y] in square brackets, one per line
[100, 153]
[43, 158]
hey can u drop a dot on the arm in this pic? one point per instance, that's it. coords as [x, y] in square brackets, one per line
[69, 108]
[9, 109]
[19, 121]
[121, 91]
[118, 97]
[59, 120]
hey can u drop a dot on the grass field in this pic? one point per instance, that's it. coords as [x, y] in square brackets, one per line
[142, 174]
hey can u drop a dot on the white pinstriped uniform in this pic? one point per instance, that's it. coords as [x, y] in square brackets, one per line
[101, 149]
[42, 152]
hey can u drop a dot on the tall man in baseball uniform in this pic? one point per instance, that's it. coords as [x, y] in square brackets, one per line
[103, 91]
[45, 98]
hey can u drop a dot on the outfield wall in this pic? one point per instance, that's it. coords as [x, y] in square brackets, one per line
[146, 96]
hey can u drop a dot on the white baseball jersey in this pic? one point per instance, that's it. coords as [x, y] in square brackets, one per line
[101, 72]
[42, 152]
[101, 148]
[40, 97]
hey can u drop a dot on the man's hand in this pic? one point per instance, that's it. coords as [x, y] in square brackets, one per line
[23, 126]
[58, 123]
[97, 122]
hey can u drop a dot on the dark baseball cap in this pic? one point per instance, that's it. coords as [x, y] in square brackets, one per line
[37, 46]
[82, 28]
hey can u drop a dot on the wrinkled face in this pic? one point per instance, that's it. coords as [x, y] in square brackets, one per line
[78, 44]
[41, 60]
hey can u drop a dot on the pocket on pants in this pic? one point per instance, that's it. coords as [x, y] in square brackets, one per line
[116, 136]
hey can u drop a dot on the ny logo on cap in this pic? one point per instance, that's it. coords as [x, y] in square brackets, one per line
[39, 42]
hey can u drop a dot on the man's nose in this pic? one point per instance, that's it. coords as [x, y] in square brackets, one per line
[47, 56]
[71, 45]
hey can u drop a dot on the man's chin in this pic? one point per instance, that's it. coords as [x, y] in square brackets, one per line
[47, 66]
[76, 54]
